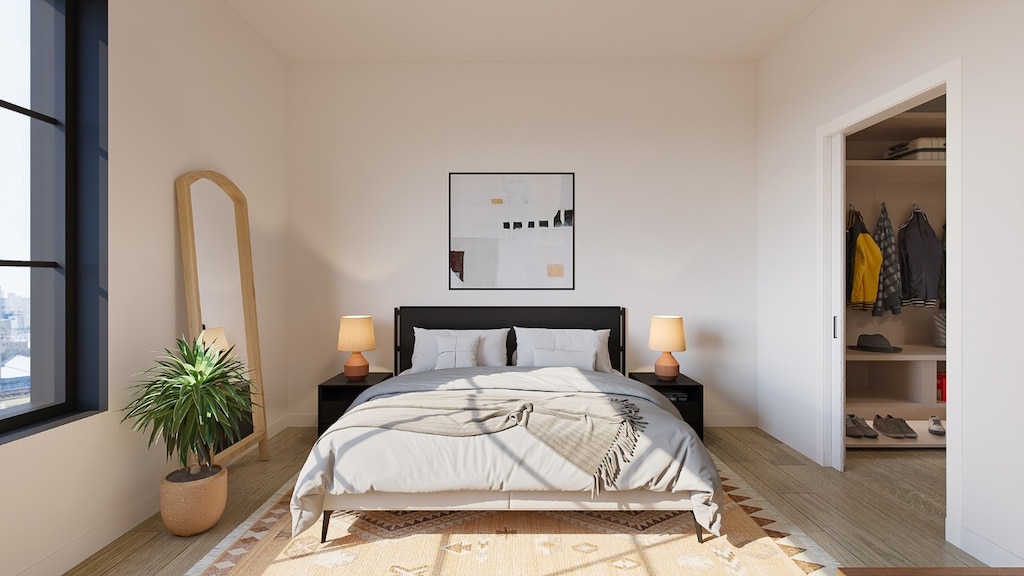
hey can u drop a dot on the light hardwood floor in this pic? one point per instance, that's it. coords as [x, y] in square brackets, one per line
[150, 550]
[886, 509]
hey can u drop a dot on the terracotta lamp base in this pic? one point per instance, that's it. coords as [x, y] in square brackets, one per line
[666, 368]
[356, 368]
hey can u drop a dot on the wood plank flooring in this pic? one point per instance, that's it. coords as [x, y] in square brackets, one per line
[887, 509]
[149, 549]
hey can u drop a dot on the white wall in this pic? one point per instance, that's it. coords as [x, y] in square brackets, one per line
[191, 87]
[664, 161]
[850, 52]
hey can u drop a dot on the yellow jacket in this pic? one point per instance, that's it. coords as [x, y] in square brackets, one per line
[867, 264]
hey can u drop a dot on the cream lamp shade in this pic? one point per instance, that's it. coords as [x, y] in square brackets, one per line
[355, 334]
[667, 336]
[215, 339]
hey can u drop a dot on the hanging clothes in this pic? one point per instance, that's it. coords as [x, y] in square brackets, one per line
[890, 290]
[865, 267]
[942, 275]
[854, 224]
[920, 261]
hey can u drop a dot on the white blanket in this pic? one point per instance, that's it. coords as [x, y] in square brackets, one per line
[669, 457]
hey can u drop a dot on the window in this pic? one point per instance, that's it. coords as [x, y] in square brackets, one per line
[53, 169]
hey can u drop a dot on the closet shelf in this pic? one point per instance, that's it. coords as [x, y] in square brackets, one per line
[894, 171]
[896, 163]
[878, 397]
[924, 439]
[910, 353]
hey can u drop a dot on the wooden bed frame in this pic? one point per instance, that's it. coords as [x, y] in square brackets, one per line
[484, 317]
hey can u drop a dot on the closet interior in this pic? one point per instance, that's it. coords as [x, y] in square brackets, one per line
[897, 166]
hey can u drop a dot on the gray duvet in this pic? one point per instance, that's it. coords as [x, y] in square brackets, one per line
[365, 457]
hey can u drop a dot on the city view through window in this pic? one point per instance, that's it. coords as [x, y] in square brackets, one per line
[15, 349]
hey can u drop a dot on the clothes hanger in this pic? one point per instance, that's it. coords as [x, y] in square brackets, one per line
[916, 210]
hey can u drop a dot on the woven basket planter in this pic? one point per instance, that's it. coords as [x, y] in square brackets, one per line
[191, 507]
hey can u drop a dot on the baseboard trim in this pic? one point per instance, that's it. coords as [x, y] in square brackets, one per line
[70, 555]
[988, 551]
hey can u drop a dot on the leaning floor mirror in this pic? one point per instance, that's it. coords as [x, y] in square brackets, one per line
[220, 294]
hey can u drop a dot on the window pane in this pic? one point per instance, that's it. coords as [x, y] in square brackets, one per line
[15, 186]
[15, 52]
[32, 55]
[32, 347]
[32, 184]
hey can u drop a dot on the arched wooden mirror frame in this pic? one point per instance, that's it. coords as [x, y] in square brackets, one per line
[193, 304]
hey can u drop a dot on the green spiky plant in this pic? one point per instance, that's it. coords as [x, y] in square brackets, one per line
[192, 399]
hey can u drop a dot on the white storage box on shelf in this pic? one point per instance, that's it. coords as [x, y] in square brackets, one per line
[918, 149]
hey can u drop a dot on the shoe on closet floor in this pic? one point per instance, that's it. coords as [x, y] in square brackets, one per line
[902, 425]
[865, 430]
[851, 428]
[935, 426]
[888, 427]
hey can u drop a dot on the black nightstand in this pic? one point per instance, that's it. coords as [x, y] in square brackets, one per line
[336, 394]
[685, 393]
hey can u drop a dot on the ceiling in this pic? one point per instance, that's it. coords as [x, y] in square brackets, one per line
[522, 30]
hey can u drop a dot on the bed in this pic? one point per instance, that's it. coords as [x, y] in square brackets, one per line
[509, 408]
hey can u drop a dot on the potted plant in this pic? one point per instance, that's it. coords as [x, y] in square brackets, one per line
[194, 398]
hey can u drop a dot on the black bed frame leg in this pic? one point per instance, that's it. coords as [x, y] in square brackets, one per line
[700, 531]
[327, 521]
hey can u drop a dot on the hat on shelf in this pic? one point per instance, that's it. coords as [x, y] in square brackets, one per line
[874, 343]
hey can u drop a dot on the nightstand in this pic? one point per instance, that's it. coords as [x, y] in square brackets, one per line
[685, 393]
[335, 396]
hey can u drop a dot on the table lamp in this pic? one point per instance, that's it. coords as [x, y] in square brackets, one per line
[215, 339]
[355, 334]
[667, 337]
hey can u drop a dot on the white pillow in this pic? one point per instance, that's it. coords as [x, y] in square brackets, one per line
[456, 352]
[582, 359]
[490, 350]
[578, 339]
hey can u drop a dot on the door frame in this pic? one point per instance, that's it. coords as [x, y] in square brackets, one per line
[830, 174]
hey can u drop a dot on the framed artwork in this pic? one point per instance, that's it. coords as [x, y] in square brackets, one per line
[511, 230]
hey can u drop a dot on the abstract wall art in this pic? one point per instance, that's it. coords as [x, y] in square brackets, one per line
[511, 230]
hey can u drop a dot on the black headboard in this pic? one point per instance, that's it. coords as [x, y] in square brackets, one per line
[484, 317]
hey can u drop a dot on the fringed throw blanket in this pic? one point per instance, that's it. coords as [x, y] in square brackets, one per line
[597, 435]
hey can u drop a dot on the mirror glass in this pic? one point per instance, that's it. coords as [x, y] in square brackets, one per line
[220, 291]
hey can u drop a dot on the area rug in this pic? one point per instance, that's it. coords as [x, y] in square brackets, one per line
[756, 539]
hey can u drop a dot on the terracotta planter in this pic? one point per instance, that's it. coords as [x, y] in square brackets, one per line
[188, 508]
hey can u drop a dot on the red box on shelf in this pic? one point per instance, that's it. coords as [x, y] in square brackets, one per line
[940, 385]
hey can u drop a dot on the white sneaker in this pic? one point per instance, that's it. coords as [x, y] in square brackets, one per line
[935, 426]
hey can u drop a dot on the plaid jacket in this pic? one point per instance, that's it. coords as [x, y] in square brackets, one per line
[889, 288]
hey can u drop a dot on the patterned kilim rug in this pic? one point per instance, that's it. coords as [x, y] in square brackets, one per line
[755, 540]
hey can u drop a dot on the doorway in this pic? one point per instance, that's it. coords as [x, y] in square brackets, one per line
[832, 175]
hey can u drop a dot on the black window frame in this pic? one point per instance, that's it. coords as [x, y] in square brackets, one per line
[85, 194]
